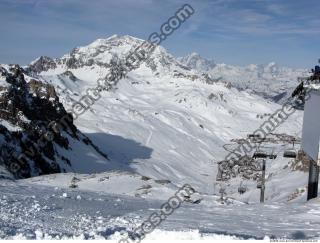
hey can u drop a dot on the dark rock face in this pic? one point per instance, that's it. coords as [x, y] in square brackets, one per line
[68, 74]
[37, 123]
[42, 64]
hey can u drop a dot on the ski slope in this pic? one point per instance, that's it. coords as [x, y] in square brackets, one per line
[32, 211]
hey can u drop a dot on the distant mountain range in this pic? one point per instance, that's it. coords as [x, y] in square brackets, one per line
[269, 80]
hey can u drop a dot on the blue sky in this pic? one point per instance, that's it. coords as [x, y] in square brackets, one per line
[236, 32]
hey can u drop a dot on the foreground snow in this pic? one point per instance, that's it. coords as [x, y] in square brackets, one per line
[32, 211]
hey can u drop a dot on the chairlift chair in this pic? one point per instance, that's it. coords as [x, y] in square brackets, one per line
[242, 190]
[253, 136]
[222, 190]
[272, 156]
[290, 153]
[260, 154]
[259, 185]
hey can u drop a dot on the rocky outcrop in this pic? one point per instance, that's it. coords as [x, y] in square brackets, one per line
[41, 64]
[33, 123]
[68, 74]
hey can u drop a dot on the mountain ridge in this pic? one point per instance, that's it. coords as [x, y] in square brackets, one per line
[270, 81]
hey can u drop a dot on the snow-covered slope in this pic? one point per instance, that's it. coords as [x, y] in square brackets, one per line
[31, 211]
[167, 121]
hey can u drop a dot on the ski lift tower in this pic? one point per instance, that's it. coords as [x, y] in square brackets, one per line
[311, 130]
[261, 155]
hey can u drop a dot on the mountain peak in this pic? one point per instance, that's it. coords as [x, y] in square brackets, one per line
[113, 39]
[194, 54]
[195, 61]
[113, 36]
[102, 54]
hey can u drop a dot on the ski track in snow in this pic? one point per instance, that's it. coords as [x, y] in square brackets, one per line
[149, 137]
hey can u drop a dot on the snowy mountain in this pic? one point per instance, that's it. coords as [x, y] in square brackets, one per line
[267, 80]
[195, 61]
[162, 125]
[93, 62]
[168, 121]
